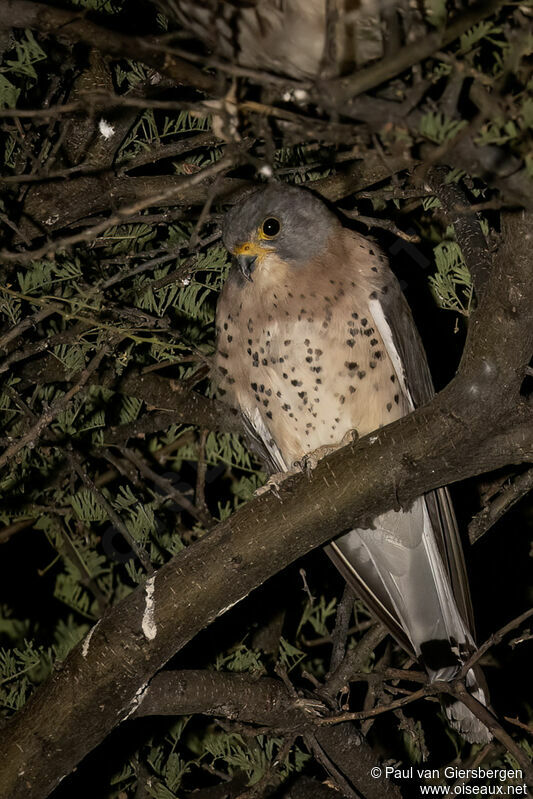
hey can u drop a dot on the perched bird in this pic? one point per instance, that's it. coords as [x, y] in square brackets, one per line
[315, 339]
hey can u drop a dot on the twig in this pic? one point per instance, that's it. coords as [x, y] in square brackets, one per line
[494, 639]
[30, 321]
[491, 513]
[468, 230]
[59, 405]
[354, 660]
[526, 727]
[201, 473]
[201, 515]
[358, 715]
[141, 553]
[119, 216]
[458, 689]
[384, 224]
[340, 632]
[321, 756]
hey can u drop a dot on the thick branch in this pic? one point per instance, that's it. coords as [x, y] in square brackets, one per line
[263, 701]
[477, 423]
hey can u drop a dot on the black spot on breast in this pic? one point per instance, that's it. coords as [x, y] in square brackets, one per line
[287, 342]
[373, 295]
[309, 359]
[361, 374]
[230, 338]
[378, 354]
[374, 268]
[373, 342]
[389, 406]
[225, 325]
[269, 414]
[296, 382]
[351, 365]
[396, 399]
[355, 315]
[350, 342]
[393, 378]
[223, 370]
[372, 364]
[364, 322]
[223, 354]
[369, 332]
[352, 389]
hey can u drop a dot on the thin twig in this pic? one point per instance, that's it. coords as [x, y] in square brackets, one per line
[59, 405]
[141, 553]
[491, 513]
[494, 639]
[120, 216]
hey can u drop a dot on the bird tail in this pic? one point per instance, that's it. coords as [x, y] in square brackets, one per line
[461, 718]
[397, 568]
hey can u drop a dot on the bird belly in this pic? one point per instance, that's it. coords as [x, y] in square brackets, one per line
[313, 379]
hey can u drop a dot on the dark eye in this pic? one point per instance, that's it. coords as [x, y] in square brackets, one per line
[271, 227]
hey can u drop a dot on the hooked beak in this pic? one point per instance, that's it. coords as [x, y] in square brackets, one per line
[246, 264]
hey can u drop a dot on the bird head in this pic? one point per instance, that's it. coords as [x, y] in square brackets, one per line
[288, 222]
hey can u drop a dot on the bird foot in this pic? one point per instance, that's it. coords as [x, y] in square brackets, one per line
[274, 481]
[310, 461]
[306, 464]
[313, 707]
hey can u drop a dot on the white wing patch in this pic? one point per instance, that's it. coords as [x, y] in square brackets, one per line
[258, 424]
[388, 339]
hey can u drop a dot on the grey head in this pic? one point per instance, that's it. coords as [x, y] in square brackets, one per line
[291, 222]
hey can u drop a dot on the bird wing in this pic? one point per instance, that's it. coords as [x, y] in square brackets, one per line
[396, 326]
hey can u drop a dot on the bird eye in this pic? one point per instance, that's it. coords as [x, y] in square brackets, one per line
[270, 227]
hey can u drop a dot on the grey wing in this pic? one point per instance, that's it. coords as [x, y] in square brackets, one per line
[409, 566]
[396, 325]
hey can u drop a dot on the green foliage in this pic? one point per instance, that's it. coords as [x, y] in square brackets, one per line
[438, 128]
[452, 283]
[19, 64]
